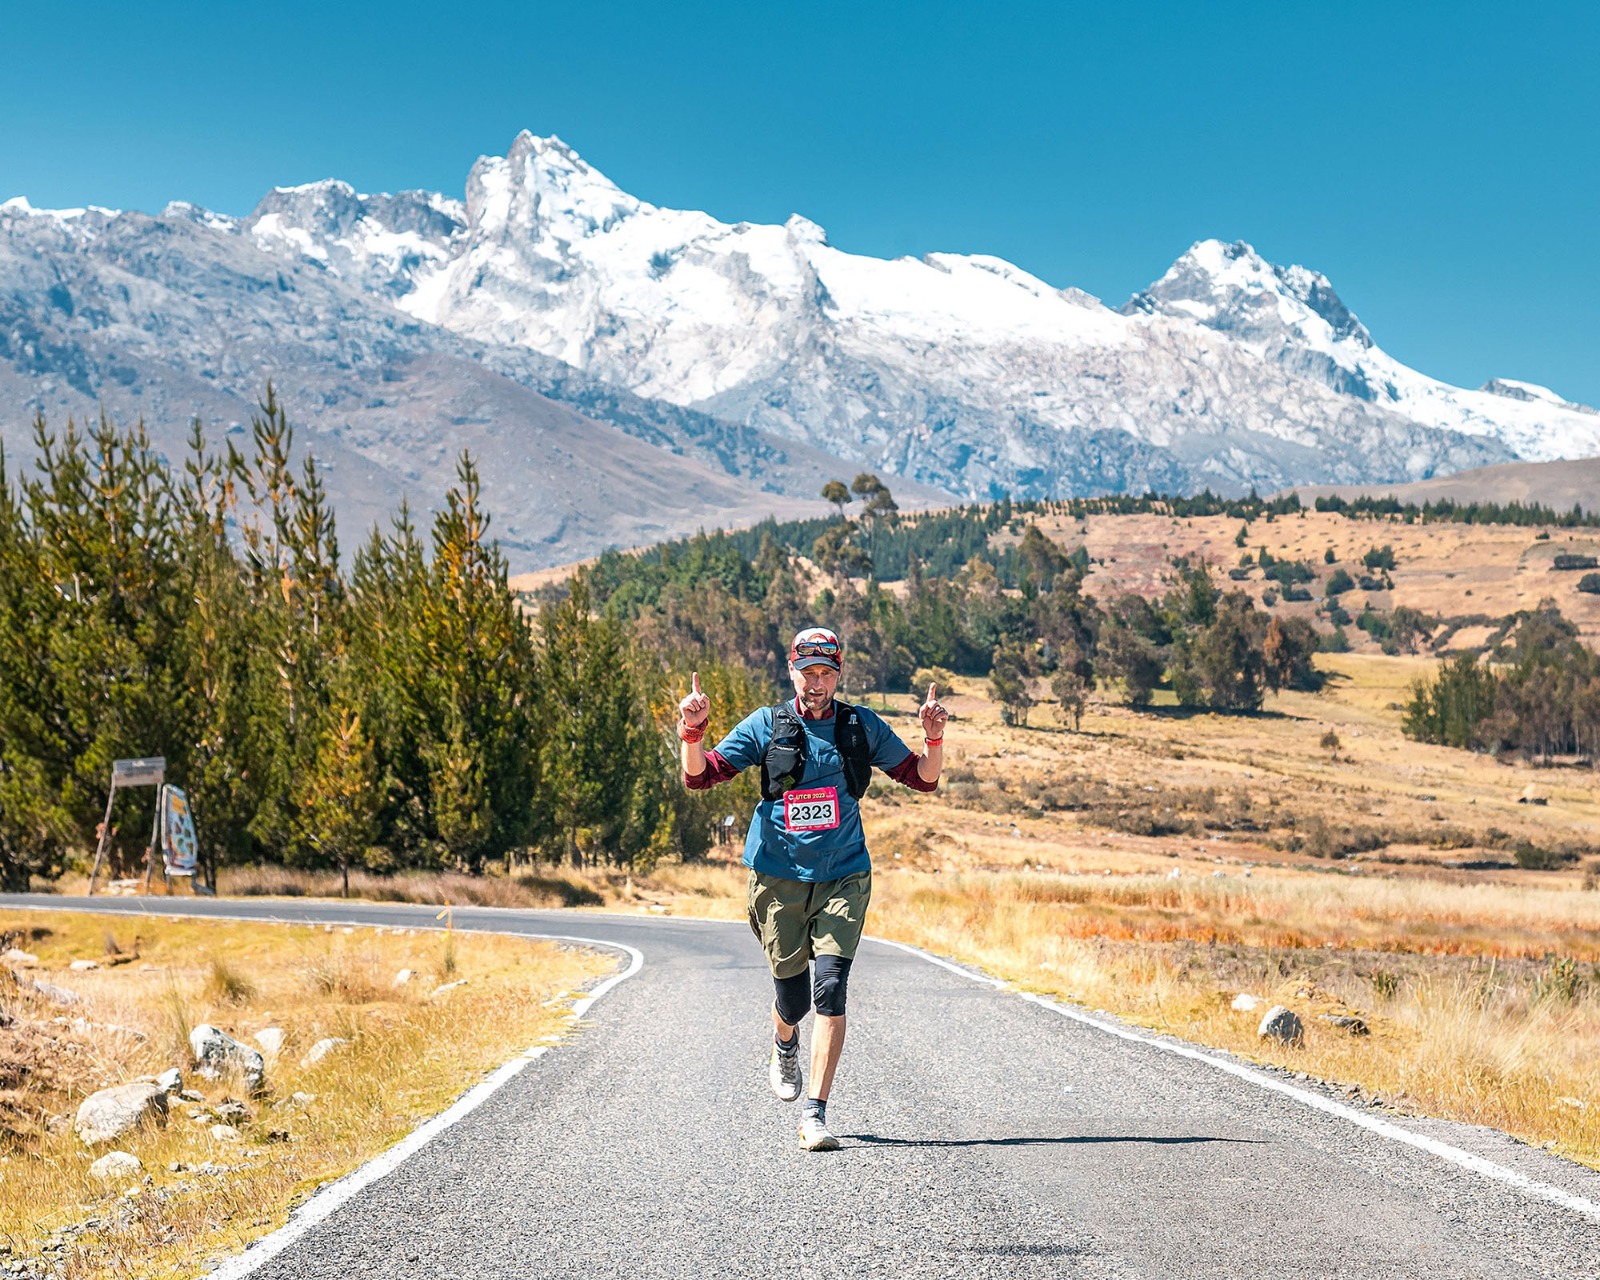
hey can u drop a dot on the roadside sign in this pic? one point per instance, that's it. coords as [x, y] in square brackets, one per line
[180, 847]
[146, 771]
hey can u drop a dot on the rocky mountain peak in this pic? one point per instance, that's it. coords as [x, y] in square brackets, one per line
[542, 186]
[1233, 289]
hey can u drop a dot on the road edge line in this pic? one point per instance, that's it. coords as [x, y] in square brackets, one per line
[1468, 1160]
[332, 1197]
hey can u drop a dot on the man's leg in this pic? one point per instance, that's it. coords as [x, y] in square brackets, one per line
[827, 1034]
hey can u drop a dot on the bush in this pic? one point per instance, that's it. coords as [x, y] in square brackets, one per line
[1379, 557]
[1338, 583]
[1334, 641]
[1531, 857]
[1589, 584]
[1570, 560]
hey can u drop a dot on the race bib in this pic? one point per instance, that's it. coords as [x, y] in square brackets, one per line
[816, 809]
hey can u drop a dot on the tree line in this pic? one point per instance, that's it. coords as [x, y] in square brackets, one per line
[1535, 694]
[1018, 617]
[405, 712]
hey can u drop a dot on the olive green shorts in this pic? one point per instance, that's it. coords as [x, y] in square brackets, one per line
[796, 921]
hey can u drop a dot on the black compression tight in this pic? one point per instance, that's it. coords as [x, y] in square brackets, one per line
[795, 995]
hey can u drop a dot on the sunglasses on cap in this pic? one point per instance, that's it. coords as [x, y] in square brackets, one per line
[817, 649]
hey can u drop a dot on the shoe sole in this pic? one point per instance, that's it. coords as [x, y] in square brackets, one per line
[830, 1143]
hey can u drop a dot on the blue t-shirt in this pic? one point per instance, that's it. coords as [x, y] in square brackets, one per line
[811, 856]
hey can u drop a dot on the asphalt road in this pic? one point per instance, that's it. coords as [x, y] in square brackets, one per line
[984, 1135]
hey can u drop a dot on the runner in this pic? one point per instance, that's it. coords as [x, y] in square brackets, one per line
[810, 877]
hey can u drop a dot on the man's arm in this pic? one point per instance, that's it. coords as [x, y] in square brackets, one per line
[933, 715]
[694, 713]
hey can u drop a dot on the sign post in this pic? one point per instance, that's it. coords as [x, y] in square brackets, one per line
[145, 771]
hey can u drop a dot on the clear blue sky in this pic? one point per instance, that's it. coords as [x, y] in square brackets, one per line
[1436, 160]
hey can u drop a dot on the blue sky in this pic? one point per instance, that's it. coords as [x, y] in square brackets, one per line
[1436, 161]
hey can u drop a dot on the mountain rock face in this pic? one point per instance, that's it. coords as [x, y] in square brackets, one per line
[185, 315]
[405, 326]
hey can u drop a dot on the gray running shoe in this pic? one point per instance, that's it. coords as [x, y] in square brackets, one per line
[784, 1072]
[814, 1135]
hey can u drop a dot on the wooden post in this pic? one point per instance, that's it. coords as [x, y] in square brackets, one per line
[105, 838]
[155, 843]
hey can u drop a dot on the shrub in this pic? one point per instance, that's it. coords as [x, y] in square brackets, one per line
[1589, 584]
[1338, 583]
[1571, 560]
[1532, 857]
[227, 985]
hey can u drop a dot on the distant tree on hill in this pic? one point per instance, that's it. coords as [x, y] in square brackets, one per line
[836, 492]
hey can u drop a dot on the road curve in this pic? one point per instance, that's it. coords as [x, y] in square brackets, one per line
[984, 1135]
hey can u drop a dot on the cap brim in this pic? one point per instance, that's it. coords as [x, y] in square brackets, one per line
[816, 660]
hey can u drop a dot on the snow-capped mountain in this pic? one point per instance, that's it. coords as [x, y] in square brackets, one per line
[760, 351]
[963, 371]
[185, 316]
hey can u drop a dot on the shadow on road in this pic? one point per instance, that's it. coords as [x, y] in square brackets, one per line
[1073, 1140]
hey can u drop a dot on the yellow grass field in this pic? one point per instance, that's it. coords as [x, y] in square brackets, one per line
[409, 1053]
[1443, 569]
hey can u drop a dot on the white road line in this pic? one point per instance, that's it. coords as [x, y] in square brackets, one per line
[331, 1198]
[1395, 1133]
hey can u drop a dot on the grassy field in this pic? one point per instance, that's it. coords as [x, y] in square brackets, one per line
[1445, 570]
[410, 1050]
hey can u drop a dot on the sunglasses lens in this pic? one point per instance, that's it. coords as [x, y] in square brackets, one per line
[816, 649]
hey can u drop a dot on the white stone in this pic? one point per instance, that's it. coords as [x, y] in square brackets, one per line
[216, 1052]
[403, 977]
[170, 1080]
[22, 959]
[110, 1113]
[271, 1041]
[1282, 1024]
[1244, 1002]
[116, 1165]
[224, 1133]
[322, 1049]
[449, 986]
[82, 966]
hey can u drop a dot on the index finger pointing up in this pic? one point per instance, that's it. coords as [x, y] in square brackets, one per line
[695, 680]
[932, 689]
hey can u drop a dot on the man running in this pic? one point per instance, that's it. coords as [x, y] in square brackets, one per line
[810, 877]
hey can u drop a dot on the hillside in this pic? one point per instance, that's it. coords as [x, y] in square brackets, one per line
[1561, 485]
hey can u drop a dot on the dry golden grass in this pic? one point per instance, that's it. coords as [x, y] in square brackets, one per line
[409, 1054]
[1449, 570]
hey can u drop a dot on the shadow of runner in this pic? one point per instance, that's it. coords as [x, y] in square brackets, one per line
[1074, 1140]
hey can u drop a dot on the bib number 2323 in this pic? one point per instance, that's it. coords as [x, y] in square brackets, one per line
[814, 810]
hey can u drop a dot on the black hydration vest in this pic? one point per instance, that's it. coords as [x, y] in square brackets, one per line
[784, 766]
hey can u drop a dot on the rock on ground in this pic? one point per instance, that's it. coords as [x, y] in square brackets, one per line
[1347, 1022]
[403, 977]
[170, 1080]
[110, 1113]
[115, 1165]
[82, 966]
[216, 1052]
[449, 986]
[322, 1049]
[271, 1041]
[22, 959]
[224, 1133]
[1282, 1024]
[1244, 1002]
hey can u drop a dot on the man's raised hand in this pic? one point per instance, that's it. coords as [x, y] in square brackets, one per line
[933, 715]
[696, 708]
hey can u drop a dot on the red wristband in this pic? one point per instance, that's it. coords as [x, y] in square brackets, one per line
[932, 742]
[691, 732]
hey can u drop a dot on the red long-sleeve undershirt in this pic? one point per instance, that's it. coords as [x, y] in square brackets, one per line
[719, 770]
